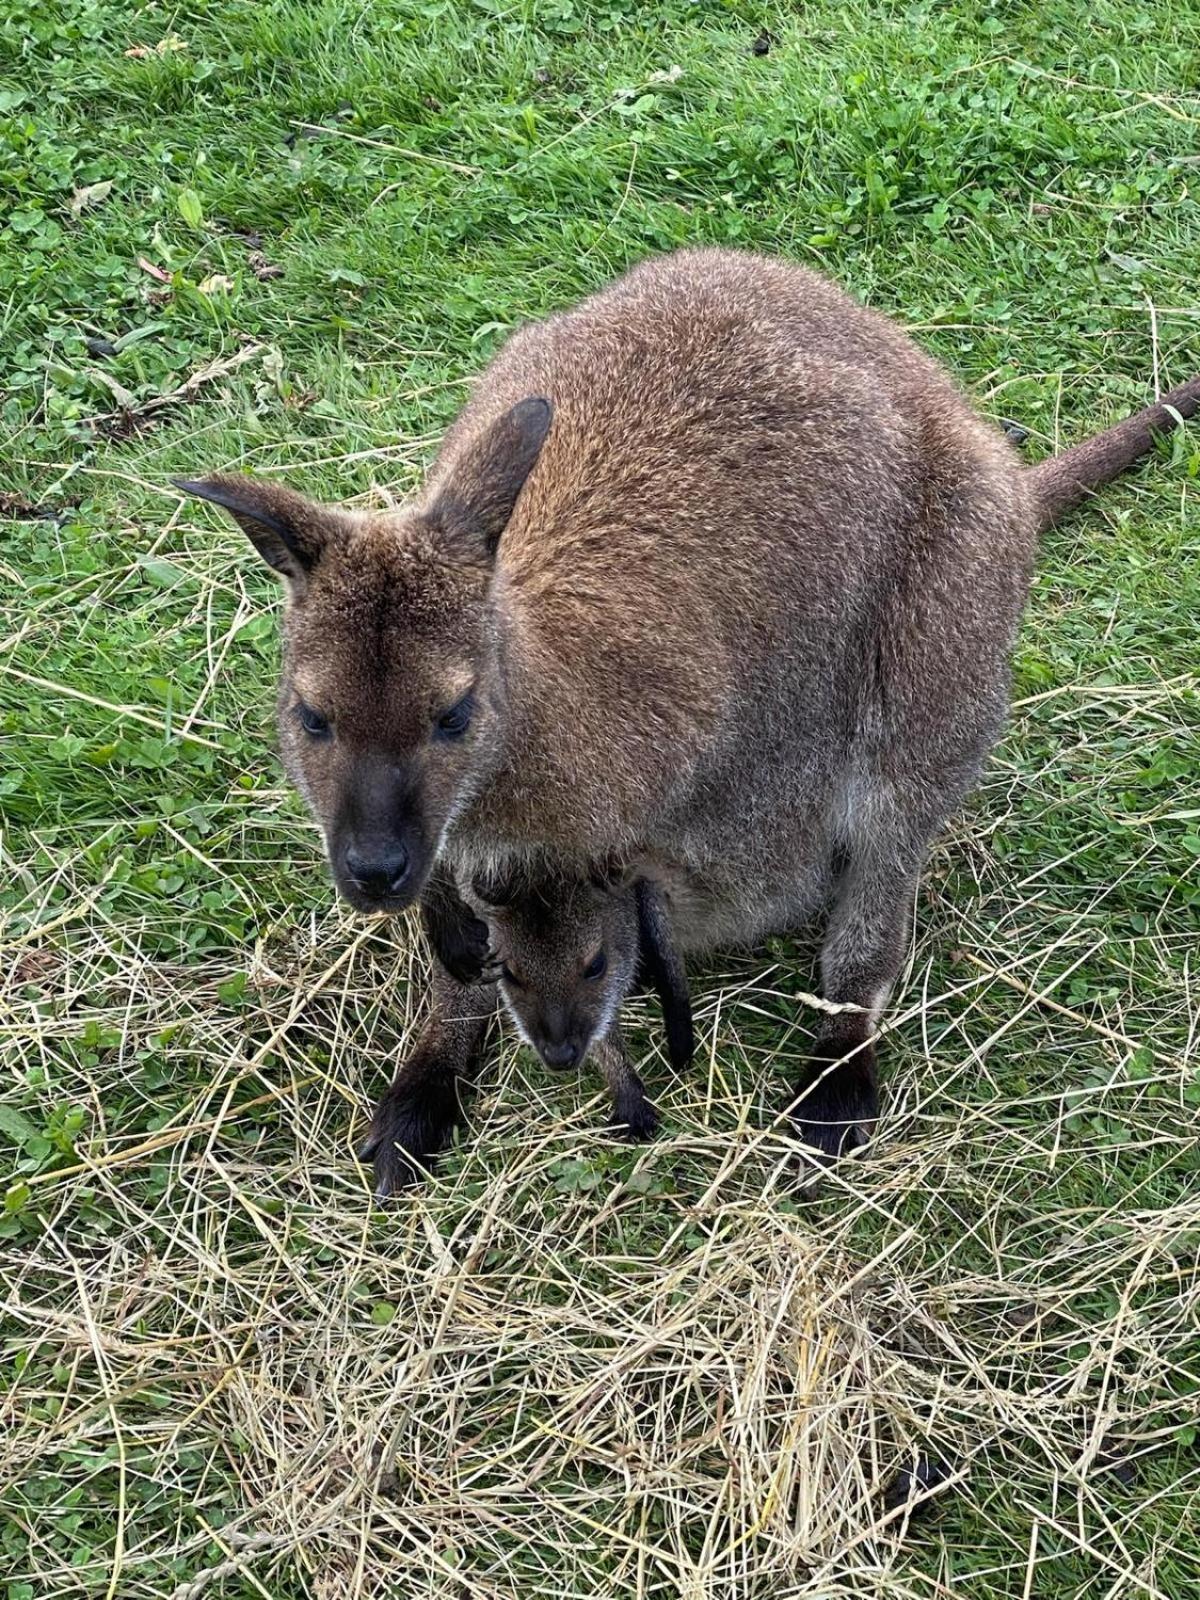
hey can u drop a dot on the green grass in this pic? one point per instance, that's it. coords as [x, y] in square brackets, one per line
[566, 1369]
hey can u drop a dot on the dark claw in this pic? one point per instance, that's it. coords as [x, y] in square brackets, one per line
[834, 1108]
[464, 951]
[394, 1170]
[915, 1485]
[460, 940]
[635, 1119]
[410, 1126]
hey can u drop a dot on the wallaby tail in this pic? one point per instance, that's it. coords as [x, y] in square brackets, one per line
[1064, 480]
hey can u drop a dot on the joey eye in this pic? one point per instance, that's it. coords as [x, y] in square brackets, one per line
[454, 723]
[597, 966]
[509, 976]
[313, 723]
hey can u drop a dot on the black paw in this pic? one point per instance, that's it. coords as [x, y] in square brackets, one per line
[459, 938]
[834, 1107]
[411, 1124]
[913, 1486]
[634, 1118]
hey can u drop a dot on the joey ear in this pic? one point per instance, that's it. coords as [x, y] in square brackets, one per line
[495, 889]
[610, 874]
[666, 972]
[288, 530]
[471, 509]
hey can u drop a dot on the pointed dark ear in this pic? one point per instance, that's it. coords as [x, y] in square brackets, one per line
[498, 890]
[610, 874]
[665, 971]
[472, 508]
[288, 530]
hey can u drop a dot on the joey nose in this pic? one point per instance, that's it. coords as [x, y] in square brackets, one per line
[560, 1055]
[378, 874]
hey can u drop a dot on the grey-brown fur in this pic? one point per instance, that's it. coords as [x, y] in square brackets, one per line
[732, 570]
[567, 950]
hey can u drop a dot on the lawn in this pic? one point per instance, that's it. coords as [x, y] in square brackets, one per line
[281, 235]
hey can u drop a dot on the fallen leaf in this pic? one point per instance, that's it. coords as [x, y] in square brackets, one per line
[186, 390]
[90, 195]
[155, 272]
[164, 47]
[163, 573]
[215, 283]
[1126, 263]
[191, 207]
[119, 392]
[15, 1125]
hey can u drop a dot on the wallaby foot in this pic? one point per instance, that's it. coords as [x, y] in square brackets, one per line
[835, 1102]
[412, 1122]
[423, 1106]
[634, 1118]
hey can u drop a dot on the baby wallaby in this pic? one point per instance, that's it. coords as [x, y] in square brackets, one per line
[567, 951]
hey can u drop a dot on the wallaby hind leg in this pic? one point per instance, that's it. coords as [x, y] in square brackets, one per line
[418, 1113]
[637, 1118]
[836, 1100]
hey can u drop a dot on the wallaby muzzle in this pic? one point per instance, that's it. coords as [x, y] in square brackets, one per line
[379, 848]
[560, 1038]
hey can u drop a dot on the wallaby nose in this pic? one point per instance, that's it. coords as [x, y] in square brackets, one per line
[560, 1055]
[379, 875]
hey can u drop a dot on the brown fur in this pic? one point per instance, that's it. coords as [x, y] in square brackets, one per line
[747, 623]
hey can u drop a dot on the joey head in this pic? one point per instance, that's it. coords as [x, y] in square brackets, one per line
[567, 949]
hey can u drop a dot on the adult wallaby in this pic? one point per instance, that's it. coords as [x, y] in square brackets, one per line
[567, 950]
[716, 572]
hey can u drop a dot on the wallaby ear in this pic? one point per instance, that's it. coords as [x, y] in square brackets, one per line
[665, 970]
[610, 874]
[288, 530]
[472, 509]
[496, 889]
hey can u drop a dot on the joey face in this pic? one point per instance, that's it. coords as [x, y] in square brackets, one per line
[568, 953]
[389, 705]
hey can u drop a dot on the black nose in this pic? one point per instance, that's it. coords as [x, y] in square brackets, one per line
[378, 876]
[560, 1055]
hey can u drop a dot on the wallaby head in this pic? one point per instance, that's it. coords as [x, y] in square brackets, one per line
[569, 950]
[388, 701]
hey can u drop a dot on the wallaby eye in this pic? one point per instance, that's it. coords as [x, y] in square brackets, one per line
[454, 723]
[313, 723]
[596, 966]
[509, 976]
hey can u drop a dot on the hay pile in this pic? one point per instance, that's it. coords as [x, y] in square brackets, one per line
[567, 1368]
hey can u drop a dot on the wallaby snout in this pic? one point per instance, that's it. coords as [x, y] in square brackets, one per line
[379, 847]
[561, 1057]
[374, 873]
